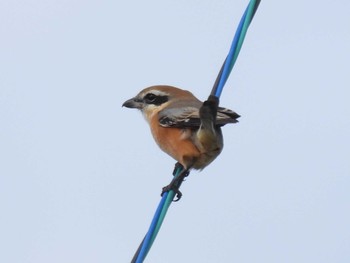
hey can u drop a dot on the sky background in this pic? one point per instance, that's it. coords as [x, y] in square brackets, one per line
[80, 176]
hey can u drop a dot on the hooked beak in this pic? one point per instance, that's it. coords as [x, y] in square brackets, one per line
[133, 103]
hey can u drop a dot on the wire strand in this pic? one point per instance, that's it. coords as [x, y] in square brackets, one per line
[156, 223]
[235, 47]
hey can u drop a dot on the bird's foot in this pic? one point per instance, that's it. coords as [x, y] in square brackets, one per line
[170, 187]
[176, 182]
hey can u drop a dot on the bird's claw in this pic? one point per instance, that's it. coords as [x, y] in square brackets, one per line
[169, 187]
[176, 182]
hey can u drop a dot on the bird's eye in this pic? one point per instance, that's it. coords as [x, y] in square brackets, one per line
[150, 97]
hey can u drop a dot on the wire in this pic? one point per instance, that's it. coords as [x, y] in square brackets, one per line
[220, 81]
[146, 243]
[156, 223]
[235, 47]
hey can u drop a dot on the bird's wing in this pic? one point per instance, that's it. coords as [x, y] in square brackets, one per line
[188, 117]
[225, 116]
[185, 117]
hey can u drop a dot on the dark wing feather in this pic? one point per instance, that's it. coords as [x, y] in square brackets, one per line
[188, 117]
[225, 116]
[183, 117]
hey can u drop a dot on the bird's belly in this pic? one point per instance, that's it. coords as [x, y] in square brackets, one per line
[178, 144]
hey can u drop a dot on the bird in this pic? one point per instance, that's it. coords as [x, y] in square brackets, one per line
[184, 127]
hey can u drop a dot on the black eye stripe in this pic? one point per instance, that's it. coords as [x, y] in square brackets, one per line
[151, 98]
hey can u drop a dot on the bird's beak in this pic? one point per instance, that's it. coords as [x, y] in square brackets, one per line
[133, 103]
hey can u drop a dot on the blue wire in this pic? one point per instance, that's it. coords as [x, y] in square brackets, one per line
[227, 66]
[147, 242]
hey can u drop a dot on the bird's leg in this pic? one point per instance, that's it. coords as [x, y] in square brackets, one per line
[177, 181]
[177, 166]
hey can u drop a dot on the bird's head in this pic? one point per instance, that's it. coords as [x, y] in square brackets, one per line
[153, 99]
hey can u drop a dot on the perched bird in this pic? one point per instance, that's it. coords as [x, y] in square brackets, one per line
[183, 126]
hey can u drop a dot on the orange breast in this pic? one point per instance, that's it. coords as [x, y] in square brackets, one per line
[176, 142]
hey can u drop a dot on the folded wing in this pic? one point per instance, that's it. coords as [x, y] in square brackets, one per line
[188, 117]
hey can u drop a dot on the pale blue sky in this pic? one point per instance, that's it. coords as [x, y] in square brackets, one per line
[80, 177]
